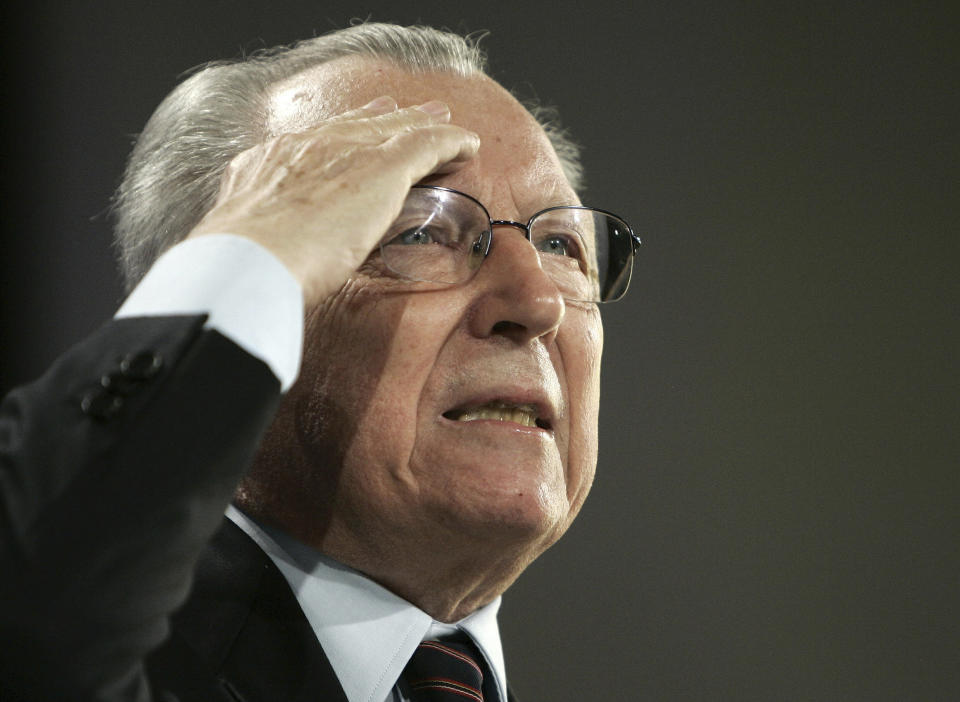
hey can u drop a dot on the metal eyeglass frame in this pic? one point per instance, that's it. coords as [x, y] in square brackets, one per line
[635, 242]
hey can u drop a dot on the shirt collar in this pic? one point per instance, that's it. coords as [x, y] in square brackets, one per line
[367, 632]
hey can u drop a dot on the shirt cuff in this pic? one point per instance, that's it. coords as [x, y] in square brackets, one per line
[246, 293]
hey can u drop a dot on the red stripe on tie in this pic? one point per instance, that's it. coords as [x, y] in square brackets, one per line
[437, 646]
[445, 671]
[448, 686]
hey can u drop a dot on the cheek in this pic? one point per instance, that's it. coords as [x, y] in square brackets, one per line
[386, 346]
[582, 349]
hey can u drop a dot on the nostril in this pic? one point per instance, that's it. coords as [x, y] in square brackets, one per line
[506, 328]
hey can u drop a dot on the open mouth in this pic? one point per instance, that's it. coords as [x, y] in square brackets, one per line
[525, 414]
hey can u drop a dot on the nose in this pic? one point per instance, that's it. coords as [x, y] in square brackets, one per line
[515, 298]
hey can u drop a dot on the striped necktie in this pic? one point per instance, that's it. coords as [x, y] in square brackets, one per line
[445, 671]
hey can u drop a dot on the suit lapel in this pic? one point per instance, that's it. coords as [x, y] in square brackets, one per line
[244, 620]
[243, 624]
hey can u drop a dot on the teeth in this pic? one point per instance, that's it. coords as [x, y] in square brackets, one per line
[522, 414]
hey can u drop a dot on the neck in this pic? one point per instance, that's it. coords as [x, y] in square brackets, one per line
[446, 587]
[447, 574]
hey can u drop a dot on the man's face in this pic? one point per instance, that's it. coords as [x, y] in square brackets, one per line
[374, 429]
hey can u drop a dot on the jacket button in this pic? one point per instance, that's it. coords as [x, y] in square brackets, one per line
[118, 383]
[101, 404]
[141, 366]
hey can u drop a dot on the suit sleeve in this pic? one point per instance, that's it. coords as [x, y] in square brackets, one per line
[115, 469]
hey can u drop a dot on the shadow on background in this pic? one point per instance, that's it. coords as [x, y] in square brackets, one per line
[775, 514]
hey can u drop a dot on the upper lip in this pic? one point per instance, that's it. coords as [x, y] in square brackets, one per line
[544, 407]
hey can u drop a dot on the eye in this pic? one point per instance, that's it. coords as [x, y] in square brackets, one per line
[559, 245]
[412, 237]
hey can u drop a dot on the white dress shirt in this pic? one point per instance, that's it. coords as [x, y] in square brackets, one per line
[246, 293]
[367, 632]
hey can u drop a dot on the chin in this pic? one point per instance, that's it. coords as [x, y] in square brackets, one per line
[528, 513]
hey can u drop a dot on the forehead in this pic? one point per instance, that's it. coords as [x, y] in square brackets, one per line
[516, 167]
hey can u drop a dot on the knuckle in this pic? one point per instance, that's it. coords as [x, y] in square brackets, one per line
[284, 140]
[429, 137]
[336, 127]
[230, 170]
[276, 147]
[351, 131]
[407, 118]
[240, 162]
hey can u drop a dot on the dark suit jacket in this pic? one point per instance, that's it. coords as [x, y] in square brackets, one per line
[241, 634]
[115, 469]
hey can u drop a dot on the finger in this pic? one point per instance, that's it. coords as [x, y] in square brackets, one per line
[437, 148]
[379, 106]
[356, 128]
[373, 129]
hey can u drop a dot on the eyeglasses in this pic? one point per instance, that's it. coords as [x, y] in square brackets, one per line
[443, 236]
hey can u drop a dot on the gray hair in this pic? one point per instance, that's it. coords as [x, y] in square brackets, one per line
[173, 174]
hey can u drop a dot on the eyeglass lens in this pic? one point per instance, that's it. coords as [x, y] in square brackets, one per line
[442, 236]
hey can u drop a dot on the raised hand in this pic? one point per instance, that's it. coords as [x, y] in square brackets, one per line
[321, 199]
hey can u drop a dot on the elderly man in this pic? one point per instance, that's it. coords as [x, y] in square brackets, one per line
[441, 434]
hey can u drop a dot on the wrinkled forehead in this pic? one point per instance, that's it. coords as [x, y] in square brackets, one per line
[516, 159]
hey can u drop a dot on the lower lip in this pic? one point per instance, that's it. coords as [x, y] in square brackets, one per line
[500, 425]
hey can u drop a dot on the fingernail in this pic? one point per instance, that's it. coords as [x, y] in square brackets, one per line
[435, 108]
[384, 103]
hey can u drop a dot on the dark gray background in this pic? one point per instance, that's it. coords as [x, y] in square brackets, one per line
[775, 513]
